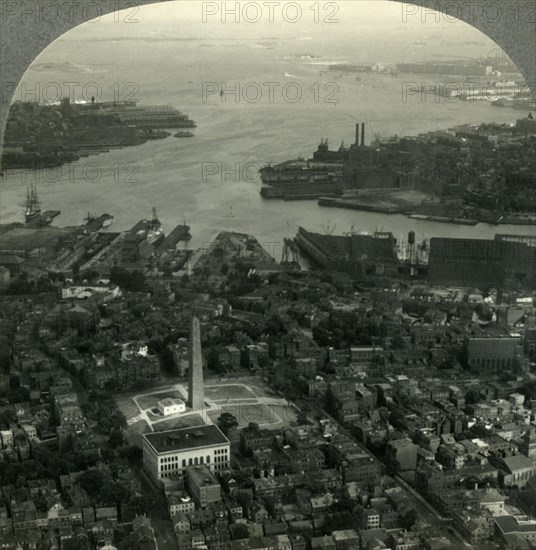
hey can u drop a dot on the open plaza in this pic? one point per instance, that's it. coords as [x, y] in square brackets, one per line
[247, 399]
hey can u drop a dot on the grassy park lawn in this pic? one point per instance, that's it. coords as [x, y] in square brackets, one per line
[233, 391]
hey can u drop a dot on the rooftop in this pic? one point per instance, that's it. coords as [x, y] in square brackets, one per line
[201, 475]
[185, 438]
[170, 401]
[515, 524]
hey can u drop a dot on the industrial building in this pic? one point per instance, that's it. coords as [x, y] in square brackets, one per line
[483, 262]
[489, 356]
[357, 255]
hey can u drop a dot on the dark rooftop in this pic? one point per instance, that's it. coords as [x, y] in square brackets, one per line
[186, 438]
[354, 247]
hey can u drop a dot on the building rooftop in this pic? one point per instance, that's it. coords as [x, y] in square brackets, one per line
[515, 524]
[170, 401]
[185, 438]
[201, 475]
[518, 462]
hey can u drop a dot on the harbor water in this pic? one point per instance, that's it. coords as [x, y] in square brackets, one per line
[211, 180]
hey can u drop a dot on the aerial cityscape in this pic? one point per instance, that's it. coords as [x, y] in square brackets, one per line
[308, 326]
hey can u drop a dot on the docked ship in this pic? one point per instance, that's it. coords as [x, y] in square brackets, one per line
[33, 214]
[33, 207]
[300, 171]
[94, 223]
[326, 166]
[301, 179]
[155, 235]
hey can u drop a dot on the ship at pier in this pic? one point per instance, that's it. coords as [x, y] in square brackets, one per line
[33, 214]
[155, 235]
[321, 176]
[33, 207]
[95, 223]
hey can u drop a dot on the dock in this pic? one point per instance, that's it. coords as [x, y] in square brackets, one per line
[179, 234]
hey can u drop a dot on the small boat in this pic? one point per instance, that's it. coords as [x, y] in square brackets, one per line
[183, 133]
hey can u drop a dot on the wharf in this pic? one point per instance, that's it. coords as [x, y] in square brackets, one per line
[443, 219]
[354, 205]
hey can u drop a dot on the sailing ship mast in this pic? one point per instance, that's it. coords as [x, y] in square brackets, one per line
[33, 208]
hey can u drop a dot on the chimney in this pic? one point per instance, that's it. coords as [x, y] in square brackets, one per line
[363, 135]
[357, 134]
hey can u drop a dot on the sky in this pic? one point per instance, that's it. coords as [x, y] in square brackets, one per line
[205, 19]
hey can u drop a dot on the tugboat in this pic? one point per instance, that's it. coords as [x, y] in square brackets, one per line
[33, 208]
[183, 133]
[156, 134]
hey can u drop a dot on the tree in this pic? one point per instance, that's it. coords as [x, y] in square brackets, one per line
[133, 454]
[92, 482]
[408, 518]
[131, 542]
[472, 396]
[398, 342]
[479, 431]
[114, 492]
[128, 280]
[112, 385]
[143, 504]
[20, 395]
[116, 439]
[226, 422]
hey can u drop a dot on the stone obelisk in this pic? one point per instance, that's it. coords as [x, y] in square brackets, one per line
[196, 393]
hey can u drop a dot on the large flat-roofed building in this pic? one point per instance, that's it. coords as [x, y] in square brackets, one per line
[466, 261]
[474, 262]
[487, 356]
[359, 255]
[167, 454]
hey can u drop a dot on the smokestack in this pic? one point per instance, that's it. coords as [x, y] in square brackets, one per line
[357, 134]
[363, 135]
